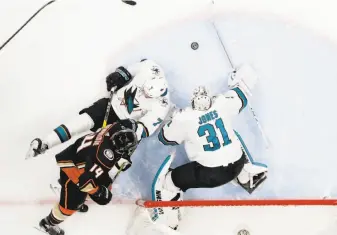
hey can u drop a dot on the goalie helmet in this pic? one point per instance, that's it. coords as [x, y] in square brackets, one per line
[201, 100]
[124, 141]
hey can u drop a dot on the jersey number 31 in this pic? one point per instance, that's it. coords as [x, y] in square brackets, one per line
[212, 137]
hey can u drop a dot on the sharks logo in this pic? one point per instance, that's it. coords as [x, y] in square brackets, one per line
[155, 70]
[129, 100]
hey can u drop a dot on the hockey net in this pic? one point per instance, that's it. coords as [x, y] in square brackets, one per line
[241, 217]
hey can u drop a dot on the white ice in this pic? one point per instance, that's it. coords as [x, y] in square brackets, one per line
[58, 63]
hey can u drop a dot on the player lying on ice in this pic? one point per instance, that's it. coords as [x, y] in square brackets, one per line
[85, 167]
[216, 153]
[141, 93]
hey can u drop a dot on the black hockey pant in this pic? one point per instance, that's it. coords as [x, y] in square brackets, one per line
[195, 175]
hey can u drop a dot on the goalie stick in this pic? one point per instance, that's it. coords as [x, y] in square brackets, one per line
[264, 136]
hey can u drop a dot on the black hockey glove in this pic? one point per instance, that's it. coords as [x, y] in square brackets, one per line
[102, 196]
[118, 79]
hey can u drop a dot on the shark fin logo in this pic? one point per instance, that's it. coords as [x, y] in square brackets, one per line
[129, 99]
[155, 70]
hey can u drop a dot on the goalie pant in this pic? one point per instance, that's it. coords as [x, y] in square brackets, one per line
[84, 170]
[195, 175]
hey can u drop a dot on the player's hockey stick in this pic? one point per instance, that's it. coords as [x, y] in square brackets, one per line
[118, 172]
[32, 17]
[105, 121]
[264, 136]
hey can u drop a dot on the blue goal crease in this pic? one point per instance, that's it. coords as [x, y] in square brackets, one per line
[248, 153]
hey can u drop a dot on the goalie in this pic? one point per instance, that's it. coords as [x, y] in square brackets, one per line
[216, 153]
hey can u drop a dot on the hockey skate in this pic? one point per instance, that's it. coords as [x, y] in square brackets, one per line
[45, 227]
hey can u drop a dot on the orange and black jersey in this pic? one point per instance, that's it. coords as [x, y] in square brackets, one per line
[88, 161]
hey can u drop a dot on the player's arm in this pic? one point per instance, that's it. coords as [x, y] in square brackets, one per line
[125, 74]
[241, 82]
[89, 118]
[233, 101]
[173, 133]
[151, 121]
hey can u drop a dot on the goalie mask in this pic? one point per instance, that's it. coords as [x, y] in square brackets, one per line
[201, 100]
[125, 141]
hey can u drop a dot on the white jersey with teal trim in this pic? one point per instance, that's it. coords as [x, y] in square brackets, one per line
[208, 136]
[131, 102]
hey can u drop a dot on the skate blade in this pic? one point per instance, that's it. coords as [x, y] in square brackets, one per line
[55, 189]
[39, 229]
[256, 184]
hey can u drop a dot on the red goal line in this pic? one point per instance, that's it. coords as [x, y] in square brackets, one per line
[257, 202]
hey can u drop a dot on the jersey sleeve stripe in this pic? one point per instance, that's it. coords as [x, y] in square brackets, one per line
[163, 139]
[124, 72]
[242, 97]
[63, 133]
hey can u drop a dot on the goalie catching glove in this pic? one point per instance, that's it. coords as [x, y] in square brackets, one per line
[243, 77]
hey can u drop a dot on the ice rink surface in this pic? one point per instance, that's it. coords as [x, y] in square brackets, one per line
[58, 63]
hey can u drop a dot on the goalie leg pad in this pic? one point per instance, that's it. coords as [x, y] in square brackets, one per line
[163, 189]
[253, 173]
[252, 176]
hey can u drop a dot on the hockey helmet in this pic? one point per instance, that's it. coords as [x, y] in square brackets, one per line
[155, 87]
[201, 100]
[125, 141]
[155, 84]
